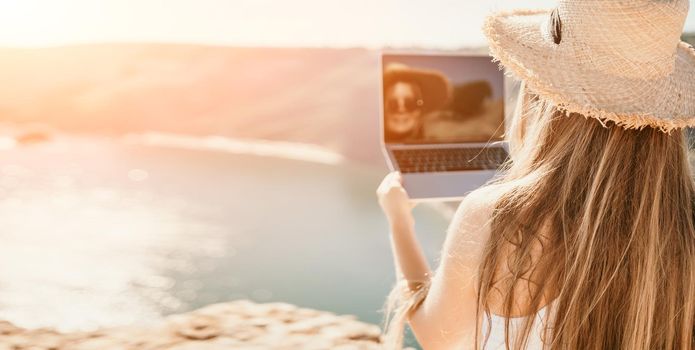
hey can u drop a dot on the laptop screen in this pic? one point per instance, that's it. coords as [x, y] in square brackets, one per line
[430, 99]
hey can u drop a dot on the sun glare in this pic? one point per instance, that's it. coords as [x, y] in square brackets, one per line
[37, 22]
[448, 24]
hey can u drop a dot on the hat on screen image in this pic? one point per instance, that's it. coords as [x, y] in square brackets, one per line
[435, 88]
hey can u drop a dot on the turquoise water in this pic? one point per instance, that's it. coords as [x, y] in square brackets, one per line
[98, 232]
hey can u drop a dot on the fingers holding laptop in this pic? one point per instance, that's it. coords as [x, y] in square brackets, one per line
[393, 198]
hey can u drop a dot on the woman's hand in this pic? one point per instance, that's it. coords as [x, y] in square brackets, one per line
[394, 199]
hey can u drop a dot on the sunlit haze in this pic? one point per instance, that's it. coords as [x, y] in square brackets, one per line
[335, 23]
[163, 156]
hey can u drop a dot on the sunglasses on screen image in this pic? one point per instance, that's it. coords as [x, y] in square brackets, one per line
[410, 104]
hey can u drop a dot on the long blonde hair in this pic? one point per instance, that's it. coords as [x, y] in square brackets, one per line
[612, 213]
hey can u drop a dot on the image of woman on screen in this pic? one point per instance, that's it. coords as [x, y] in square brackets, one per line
[410, 94]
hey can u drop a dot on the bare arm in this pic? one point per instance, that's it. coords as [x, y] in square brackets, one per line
[446, 318]
[410, 261]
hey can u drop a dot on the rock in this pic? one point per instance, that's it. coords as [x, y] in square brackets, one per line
[234, 325]
[198, 327]
[7, 328]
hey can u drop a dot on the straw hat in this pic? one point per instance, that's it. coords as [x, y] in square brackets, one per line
[620, 61]
[435, 87]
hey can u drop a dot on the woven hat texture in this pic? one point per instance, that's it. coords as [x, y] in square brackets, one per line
[614, 60]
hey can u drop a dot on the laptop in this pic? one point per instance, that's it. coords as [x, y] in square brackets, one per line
[442, 122]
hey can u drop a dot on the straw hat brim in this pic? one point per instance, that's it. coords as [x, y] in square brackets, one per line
[555, 73]
[435, 87]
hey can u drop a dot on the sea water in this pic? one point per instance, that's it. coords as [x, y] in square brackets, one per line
[103, 232]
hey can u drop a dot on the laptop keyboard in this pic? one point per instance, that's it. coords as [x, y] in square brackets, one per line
[449, 159]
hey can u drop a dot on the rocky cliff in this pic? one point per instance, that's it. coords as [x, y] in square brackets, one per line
[233, 325]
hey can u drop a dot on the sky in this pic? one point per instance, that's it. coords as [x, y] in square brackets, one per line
[333, 23]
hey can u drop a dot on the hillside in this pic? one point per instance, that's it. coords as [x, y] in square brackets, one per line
[322, 96]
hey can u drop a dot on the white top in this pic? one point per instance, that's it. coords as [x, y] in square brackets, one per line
[497, 338]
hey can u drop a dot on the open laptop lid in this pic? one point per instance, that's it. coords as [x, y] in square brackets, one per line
[441, 98]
